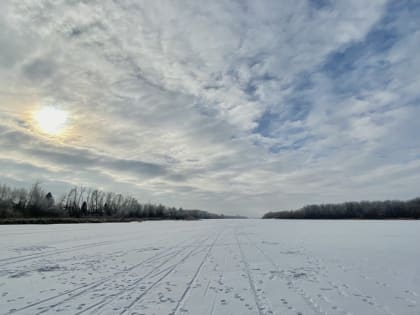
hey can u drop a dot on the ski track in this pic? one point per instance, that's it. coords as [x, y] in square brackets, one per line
[226, 267]
[22, 258]
[87, 288]
[107, 300]
[193, 279]
[84, 288]
[257, 299]
[159, 280]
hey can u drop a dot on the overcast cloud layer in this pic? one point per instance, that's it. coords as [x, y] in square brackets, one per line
[233, 106]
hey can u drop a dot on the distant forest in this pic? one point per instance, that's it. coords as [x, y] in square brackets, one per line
[390, 209]
[80, 202]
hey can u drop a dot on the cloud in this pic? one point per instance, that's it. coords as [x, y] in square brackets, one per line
[240, 106]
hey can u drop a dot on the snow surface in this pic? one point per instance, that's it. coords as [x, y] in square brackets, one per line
[212, 267]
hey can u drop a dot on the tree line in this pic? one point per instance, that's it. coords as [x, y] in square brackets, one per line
[86, 202]
[390, 209]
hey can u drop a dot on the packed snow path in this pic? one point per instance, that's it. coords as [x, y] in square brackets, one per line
[212, 267]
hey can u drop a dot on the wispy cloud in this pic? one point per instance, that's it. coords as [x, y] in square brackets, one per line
[241, 106]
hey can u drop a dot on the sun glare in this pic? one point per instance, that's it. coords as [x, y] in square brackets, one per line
[51, 120]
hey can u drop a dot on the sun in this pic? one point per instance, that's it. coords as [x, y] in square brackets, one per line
[51, 120]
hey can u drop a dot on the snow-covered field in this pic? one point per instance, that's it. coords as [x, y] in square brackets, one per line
[212, 267]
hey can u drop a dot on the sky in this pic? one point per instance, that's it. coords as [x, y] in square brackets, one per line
[240, 107]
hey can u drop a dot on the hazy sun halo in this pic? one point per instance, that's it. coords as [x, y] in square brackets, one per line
[51, 120]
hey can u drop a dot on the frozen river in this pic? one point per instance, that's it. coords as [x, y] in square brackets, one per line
[212, 267]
